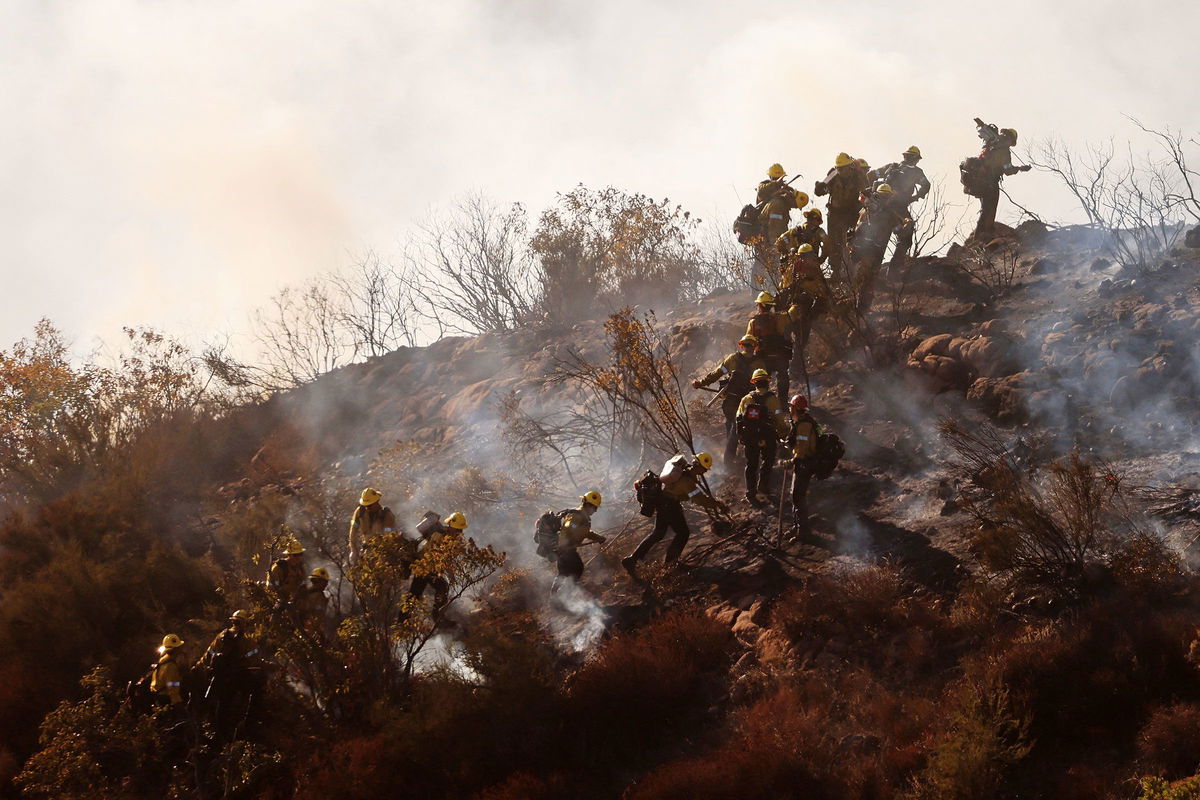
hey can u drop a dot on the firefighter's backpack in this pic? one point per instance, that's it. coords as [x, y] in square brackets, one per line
[746, 227]
[647, 489]
[830, 449]
[545, 534]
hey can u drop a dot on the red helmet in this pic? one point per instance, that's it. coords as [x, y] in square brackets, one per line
[798, 402]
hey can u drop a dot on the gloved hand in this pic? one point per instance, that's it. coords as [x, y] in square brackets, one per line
[602, 539]
[1025, 167]
[697, 384]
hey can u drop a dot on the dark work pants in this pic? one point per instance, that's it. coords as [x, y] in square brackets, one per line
[841, 222]
[441, 589]
[988, 202]
[760, 459]
[570, 565]
[729, 407]
[777, 366]
[669, 516]
[904, 239]
[800, 480]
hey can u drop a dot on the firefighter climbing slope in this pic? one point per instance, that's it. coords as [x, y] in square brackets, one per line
[574, 530]
[760, 422]
[664, 496]
[734, 373]
[910, 185]
[981, 175]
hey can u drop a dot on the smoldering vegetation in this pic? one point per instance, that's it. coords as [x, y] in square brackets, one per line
[996, 601]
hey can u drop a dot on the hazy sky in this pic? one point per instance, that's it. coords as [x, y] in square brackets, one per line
[173, 163]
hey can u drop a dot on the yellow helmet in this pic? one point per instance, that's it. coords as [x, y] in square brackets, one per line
[765, 299]
[592, 498]
[1011, 133]
[320, 572]
[171, 641]
[760, 374]
[913, 150]
[240, 615]
[704, 459]
[801, 199]
[814, 212]
[294, 548]
[804, 248]
[843, 160]
[457, 521]
[884, 188]
[775, 172]
[370, 497]
[862, 162]
[749, 339]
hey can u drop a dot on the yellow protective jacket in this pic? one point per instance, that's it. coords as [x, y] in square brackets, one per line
[791, 240]
[997, 161]
[802, 438]
[843, 185]
[772, 329]
[766, 401]
[687, 487]
[368, 521]
[768, 189]
[314, 601]
[804, 274]
[739, 367]
[576, 529]
[776, 213]
[907, 180]
[286, 579]
[167, 679]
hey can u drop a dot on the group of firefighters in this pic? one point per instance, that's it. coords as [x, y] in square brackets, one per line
[866, 209]
[233, 660]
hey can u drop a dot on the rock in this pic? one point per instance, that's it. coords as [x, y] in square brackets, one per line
[933, 346]
[1032, 230]
[724, 613]
[1100, 264]
[746, 629]
[1044, 266]
[988, 357]
[774, 650]
[1003, 399]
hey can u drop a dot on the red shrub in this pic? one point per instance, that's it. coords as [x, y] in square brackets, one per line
[1169, 744]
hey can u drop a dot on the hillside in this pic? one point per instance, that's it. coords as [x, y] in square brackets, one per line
[908, 648]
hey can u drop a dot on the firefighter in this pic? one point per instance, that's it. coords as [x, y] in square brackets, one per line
[680, 482]
[810, 232]
[287, 574]
[994, 162]
[576, 528]
[760, 422]
[909, 183]
[777, 200]
[370, 518]
[453, 525]
[773, 329]
[808, 295]
[882, 213]
[844, 185]
[802, 442]
[234, 664]
[772, 185]
[734, 373]
[315, 602]
[166, 679]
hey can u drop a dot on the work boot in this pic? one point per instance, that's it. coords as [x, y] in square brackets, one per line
[753, 499]
[630, 565]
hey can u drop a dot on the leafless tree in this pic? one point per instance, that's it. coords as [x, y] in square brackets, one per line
[475, 270]
[302, 335]
[1138, 202]
[379, 308]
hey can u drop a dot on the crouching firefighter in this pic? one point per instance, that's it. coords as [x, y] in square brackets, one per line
[576, 528]
[663, 496]
[432, 535]
[734, 373]
[760, 422]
